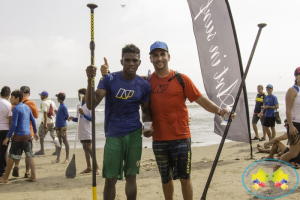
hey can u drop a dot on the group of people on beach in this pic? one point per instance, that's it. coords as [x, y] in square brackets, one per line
[161, 97]
[17, 121]
[264, 110]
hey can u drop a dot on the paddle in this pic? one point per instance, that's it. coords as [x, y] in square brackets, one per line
[92, 48]
[71, 169]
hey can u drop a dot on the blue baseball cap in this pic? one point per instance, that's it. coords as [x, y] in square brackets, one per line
[269, 86]
[159, 45]
[45, 93]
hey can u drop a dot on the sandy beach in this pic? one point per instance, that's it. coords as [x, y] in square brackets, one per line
[226, 183]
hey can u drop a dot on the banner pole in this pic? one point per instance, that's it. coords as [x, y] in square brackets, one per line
[233, 110]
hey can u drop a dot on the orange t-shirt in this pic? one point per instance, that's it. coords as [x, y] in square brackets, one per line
[170, 119]
[33, 108]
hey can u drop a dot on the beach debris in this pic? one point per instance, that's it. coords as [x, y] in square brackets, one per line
[197, 142]
[237, 159]
[145, 147]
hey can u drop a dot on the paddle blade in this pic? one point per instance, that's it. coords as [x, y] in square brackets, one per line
[71, 170]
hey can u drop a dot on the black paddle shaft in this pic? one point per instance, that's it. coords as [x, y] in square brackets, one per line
[92, 48]
[233, 110]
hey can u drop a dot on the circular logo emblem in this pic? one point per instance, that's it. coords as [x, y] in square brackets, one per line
[262, 181]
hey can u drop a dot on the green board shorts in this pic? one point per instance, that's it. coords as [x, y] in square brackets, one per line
[122, 154]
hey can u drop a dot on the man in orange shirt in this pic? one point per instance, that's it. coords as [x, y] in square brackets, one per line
[26, 93]
[171, 132]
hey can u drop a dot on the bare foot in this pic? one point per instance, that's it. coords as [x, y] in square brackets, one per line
[260, 149]
[268, 157]
[98, 172]
[2, 180]
[65, 162]
[31, 179]
[88, 170]
[55, 161]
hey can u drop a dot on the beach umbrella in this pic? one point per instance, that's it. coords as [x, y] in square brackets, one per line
[71, 169]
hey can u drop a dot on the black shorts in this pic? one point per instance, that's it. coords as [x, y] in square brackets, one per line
[20, 144]
[269, 122]
[255, 119]
[173, 159]
[296, 159]
[86, 141]
[294, 139]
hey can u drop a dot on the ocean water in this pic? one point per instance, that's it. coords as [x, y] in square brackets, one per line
[201, 123]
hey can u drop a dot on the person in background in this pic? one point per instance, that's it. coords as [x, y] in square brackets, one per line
[84, 131]
[292, 107]
[5, 121]
[21, 141]
[259, 101]
[62, 116]
[48, 109]
[26, 93]
[269, 107]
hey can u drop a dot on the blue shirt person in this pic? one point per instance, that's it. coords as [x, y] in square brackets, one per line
[124, 93]
[269, 107]
[122, 103]
[21, 118]
[21, 141]
[62, 116]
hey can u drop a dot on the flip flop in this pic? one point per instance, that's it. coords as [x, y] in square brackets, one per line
[15, 172]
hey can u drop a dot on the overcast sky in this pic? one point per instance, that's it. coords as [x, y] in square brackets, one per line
[44, 44]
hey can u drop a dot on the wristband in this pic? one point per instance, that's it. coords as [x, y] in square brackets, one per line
[147, 125]
[219, 112]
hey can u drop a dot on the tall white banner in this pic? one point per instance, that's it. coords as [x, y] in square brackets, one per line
[220, 62]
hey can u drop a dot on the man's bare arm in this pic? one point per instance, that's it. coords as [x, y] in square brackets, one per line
[212, 107]
[99, 93]
[146, 113]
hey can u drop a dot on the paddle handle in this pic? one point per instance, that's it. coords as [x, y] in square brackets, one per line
[78, 115]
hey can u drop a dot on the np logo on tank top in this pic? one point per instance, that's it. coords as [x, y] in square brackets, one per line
[160, 88]
[124, 94]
